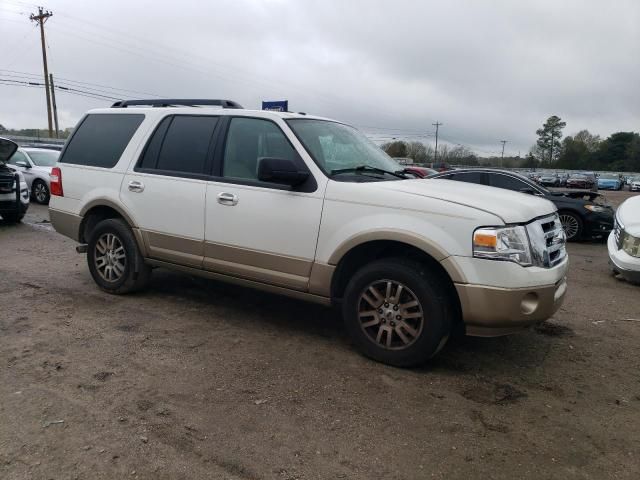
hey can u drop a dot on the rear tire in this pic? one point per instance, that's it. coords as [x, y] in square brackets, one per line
[402, 328]
[114, 260]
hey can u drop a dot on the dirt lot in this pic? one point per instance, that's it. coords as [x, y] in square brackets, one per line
[193, 379]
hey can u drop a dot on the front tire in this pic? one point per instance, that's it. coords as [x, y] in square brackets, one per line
[40, 192]
[572, 225]
[114, 260]
[398, 312]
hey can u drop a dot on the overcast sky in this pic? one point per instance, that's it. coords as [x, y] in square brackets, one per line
[488, 70]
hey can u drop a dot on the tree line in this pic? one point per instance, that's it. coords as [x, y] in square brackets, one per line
[581, 151]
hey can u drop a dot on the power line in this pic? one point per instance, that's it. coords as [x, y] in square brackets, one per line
[7, 81]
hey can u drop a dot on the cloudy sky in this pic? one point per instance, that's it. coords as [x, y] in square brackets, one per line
[488, 70]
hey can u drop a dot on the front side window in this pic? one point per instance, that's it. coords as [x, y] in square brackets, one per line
[335, 146]
[249, 140]
[100, 139]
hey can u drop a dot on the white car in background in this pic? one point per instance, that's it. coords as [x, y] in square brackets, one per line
[634, 184]
[624, 241]
[36, 164]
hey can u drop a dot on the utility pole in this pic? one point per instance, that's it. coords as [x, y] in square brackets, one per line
[40, 19]
[54, 105]
[435, 152]
[502, 156]
[551, 150]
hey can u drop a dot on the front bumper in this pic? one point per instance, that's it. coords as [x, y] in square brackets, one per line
[622, 263]
[491, 311]
[598, 224]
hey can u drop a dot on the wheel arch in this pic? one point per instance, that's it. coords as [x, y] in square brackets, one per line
[98, 210]
[364, 252]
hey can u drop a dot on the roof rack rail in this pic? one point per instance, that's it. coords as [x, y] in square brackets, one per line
[170, 102]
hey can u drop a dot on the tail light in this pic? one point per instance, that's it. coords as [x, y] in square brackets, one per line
[55, 186]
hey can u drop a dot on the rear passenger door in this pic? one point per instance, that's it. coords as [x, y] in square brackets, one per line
[166, 189]
[257, 230]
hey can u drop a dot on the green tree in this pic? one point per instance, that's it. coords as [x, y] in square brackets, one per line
[549, 137]
[575, 154]
[619, 152]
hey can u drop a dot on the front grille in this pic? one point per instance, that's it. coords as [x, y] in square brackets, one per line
[618, 233]
[6, 186]
[547, 241]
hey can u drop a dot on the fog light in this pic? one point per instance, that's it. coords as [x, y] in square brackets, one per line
[529, 303]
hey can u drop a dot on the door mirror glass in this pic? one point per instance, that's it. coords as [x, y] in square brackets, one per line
[280, 170]
[7, 149]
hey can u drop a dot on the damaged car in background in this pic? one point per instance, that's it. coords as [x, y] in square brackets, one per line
[583, 214]
[14, 192]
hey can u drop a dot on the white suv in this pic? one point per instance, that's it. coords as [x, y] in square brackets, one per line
[306, 207]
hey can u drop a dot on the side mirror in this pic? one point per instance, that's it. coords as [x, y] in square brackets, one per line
[530, 191]
[23, 164]
[280, 170]
[7, 149]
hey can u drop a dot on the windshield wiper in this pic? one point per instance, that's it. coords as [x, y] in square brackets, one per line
[368, 168]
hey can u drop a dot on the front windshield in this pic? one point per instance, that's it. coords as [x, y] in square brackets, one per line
[335, 146]
[609, 176]
[44, 158]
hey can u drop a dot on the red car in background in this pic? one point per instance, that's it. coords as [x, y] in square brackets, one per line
[420, 172]
[581, 181]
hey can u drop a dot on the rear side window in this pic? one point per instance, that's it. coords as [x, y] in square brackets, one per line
[100, 139]
[507, 182]
[180, 144]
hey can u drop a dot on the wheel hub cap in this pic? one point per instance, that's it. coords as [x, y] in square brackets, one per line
[390, 314]
[110, 257]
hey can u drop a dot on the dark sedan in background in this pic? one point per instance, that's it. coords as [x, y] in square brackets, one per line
[582, 180]
[583, 214]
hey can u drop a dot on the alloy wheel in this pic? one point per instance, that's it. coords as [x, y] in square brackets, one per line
[390, 314]
[110, 257]
[40, 192]
[570, 225]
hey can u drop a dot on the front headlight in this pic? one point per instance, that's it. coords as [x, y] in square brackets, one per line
[595, 208]
[503, 243]
[631, 245]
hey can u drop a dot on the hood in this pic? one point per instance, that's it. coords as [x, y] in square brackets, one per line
[608, 180]
[511, 207]
[629, 215]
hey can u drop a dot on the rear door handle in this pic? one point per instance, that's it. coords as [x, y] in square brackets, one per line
[135, 186]
[228, 199]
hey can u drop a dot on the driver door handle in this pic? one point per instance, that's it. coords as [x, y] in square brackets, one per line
[228, 199]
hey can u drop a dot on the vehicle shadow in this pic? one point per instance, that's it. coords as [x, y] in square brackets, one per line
[249, 308]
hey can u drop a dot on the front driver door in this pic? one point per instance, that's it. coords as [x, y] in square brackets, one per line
[255, 230]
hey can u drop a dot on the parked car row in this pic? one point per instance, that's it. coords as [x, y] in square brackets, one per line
[582, 214]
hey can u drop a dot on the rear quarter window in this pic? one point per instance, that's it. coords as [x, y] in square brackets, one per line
[100, 139]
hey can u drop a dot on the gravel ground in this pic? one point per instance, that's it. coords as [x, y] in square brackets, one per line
[194, 379]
